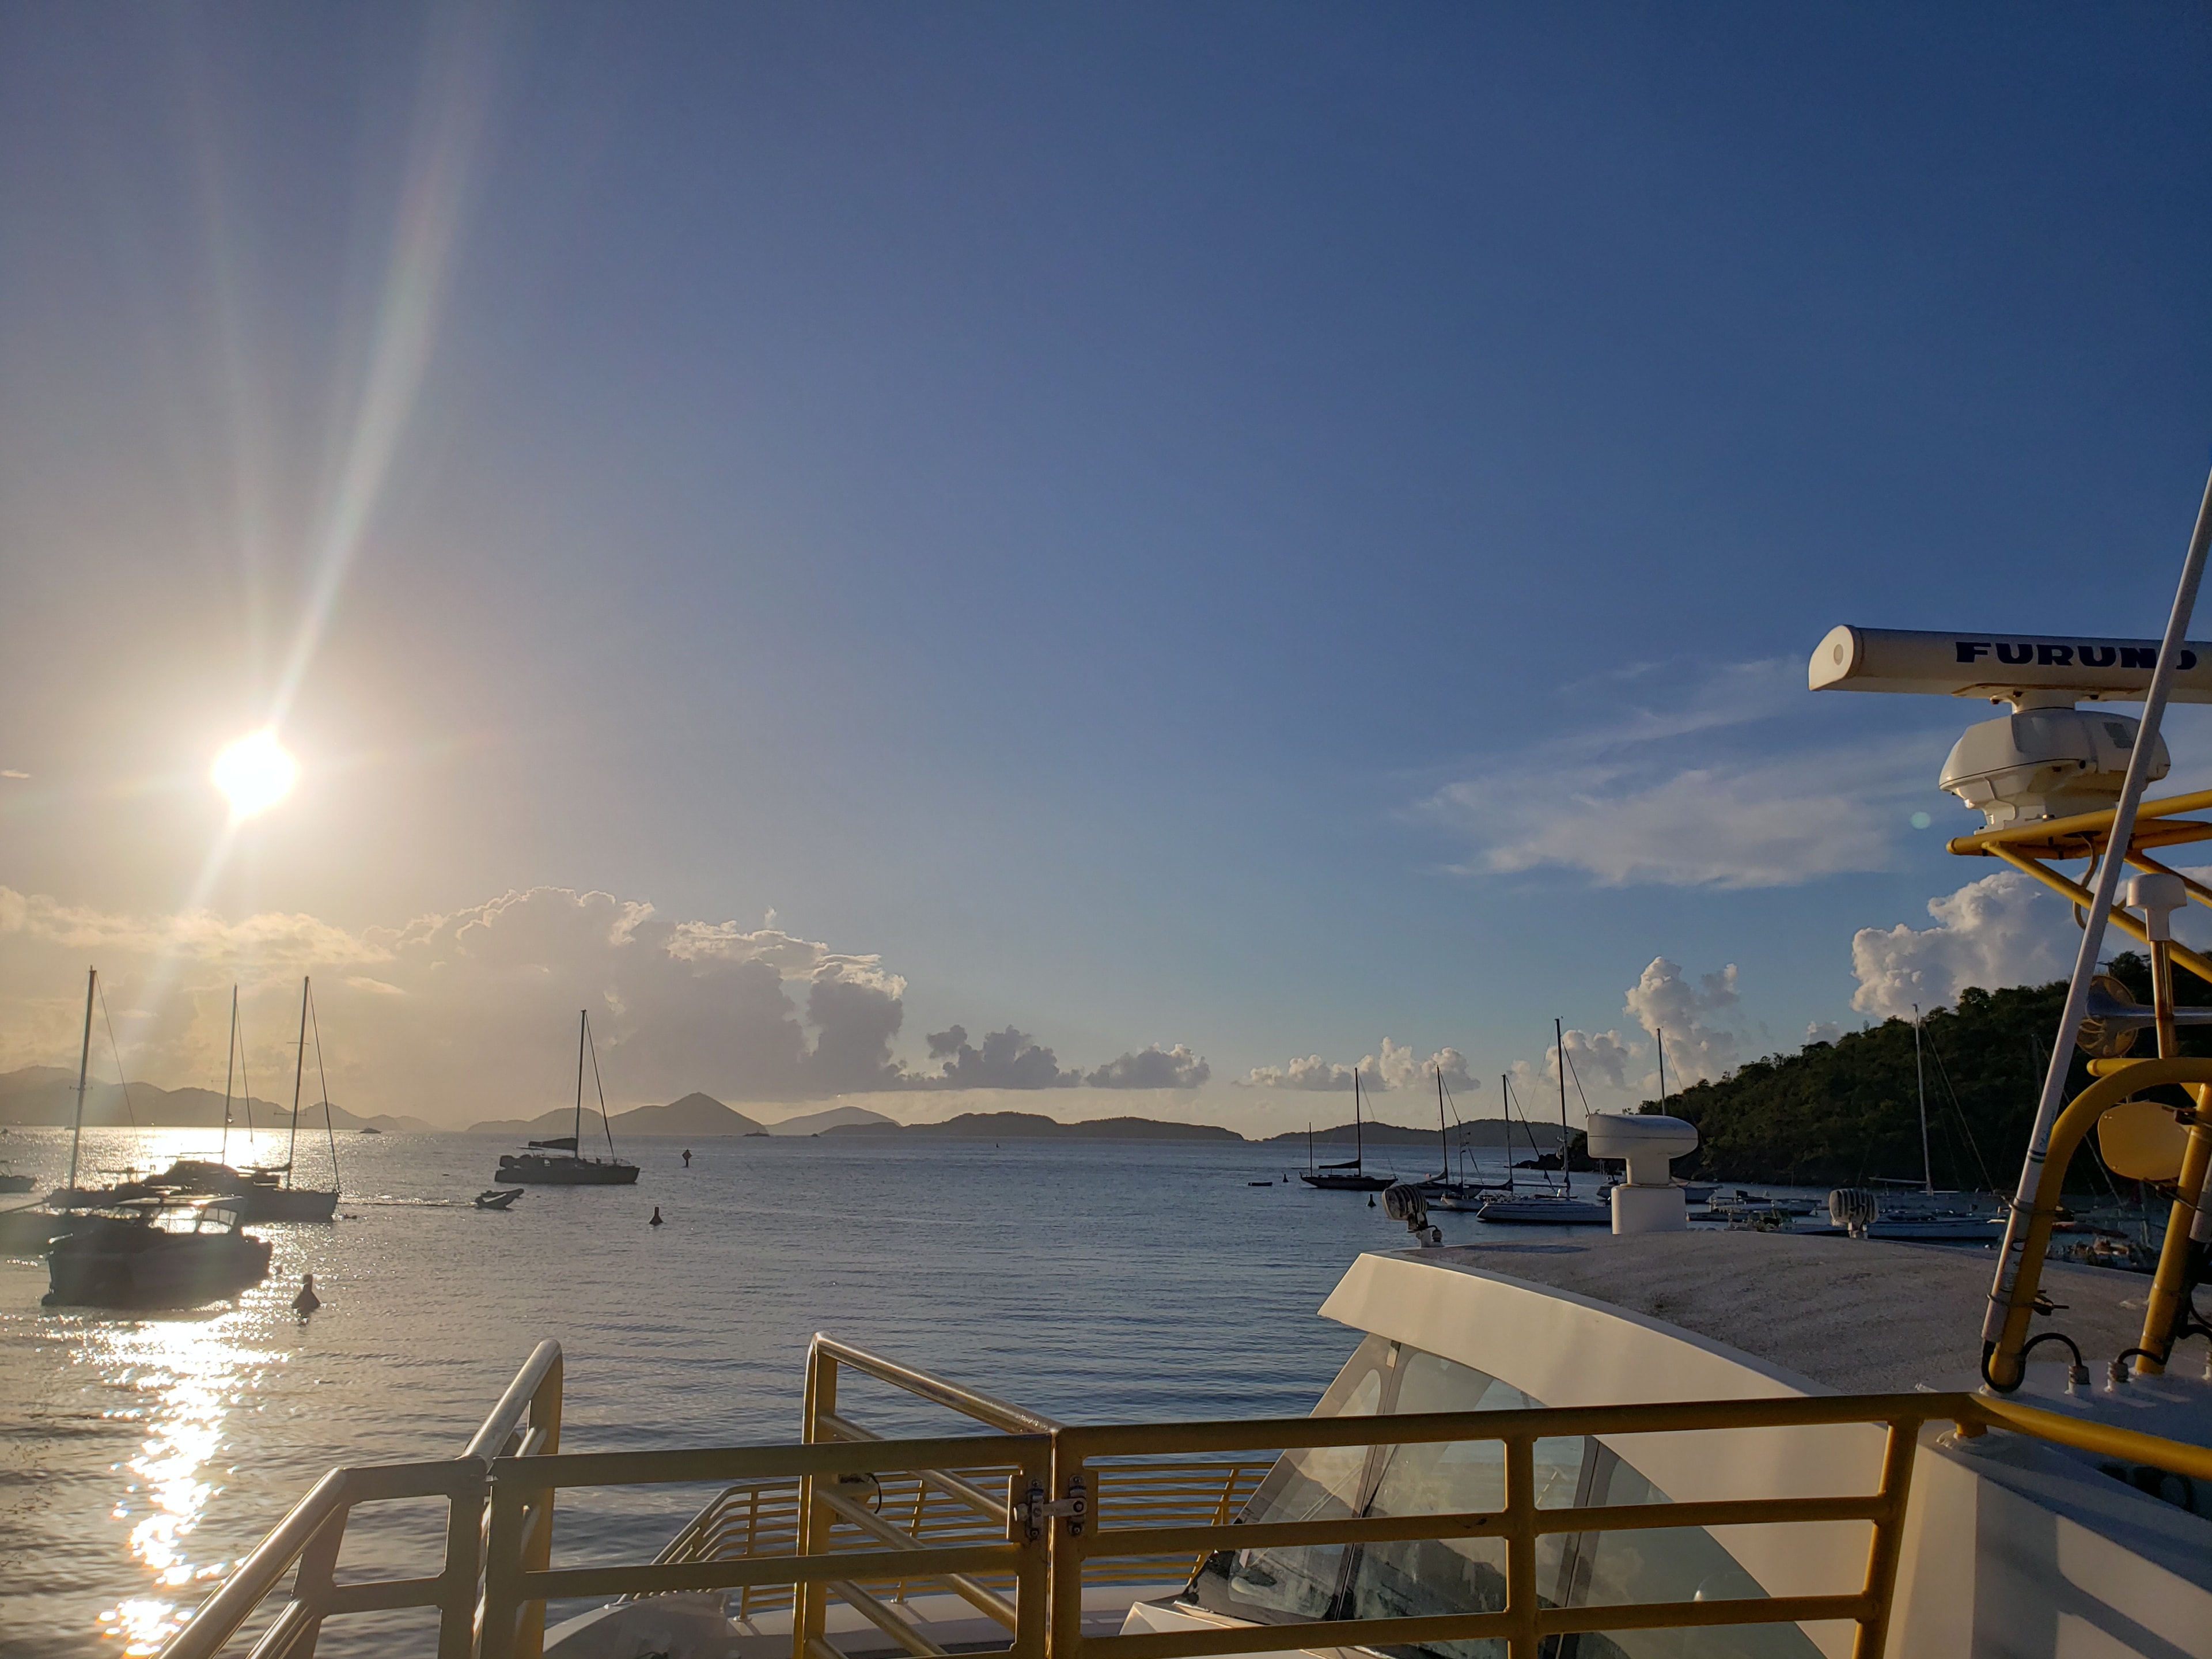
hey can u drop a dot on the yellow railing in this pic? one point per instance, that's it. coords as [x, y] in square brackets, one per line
[526, 1419]
[1035, 1509]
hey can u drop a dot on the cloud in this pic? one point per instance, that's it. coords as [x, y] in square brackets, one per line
[1823, 1031]
[1396, 1066]
[466, 1015]
[1154, 1068]
[1627, 802]
[1312, 1073]
[1598, 1057]
[1699, 1043]
[12, 772]
[2004, 929]
[1006, 1060]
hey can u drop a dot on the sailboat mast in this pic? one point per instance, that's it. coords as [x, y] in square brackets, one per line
[298, 1071]
[83, 1070]
[1920, 1078]
[1358, 1150]
[1442, 1133]
[1566, 1162]
[1659, 1035]
[1505, 1090]
[229, 1070]
[323, 1080]
[583, 1024]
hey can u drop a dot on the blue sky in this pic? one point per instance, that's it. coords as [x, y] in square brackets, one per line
[1257, 527]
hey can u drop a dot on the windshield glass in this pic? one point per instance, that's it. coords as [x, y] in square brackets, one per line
[1416, 1578]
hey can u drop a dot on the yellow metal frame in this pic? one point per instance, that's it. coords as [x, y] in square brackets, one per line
[1074, 1503]
[2029, 847]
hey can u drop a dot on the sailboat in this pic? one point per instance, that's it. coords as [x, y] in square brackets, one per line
[216, 1178]
[144, 1252]
[1561, 1208]
[262, 1199]
[1472, 1195]
[1349, 1177]
[561, 1163]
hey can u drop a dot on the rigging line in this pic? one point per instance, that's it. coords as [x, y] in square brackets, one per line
[1957, 1107]
[606, 1128]
[322, 1077]
[116, 1049]
[238, 1034]
[1577, 1077]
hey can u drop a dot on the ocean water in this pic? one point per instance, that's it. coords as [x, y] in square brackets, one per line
[140, 1455]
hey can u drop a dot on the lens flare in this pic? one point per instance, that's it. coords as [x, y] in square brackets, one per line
[255, 774]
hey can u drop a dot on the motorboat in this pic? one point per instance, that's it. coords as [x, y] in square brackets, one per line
[497, 1198]
[559, 1162]
[10, 1181]
[155, 1255]
[1351, 1175]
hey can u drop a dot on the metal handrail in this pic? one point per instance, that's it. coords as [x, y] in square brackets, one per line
[498, 1574]
[513, 1585]
[1000, 1414]
[313, 1530]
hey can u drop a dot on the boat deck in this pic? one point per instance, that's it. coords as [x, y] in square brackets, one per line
[1857, 1316]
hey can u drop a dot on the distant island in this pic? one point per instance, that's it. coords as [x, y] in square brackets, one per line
[44, 1097]
[697, 1116]
[1036, 1126]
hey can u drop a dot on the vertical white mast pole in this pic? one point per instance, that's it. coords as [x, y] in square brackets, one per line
[83, 1068]
[299, 1071]
[1920, 1079]
[2093, 931]
[1566, 1162]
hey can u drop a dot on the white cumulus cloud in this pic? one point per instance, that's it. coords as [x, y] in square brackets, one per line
[1397, 1066]
[1695, 1018]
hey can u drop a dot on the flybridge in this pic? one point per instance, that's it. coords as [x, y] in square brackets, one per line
[2025, 670]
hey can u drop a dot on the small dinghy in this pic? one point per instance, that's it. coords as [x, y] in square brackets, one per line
[497, 1198]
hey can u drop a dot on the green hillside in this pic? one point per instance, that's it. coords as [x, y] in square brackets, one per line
[1842, 1113]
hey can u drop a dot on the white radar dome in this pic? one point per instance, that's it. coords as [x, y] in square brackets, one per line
[1643, 1140]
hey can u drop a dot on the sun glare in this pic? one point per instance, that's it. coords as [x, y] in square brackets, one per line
[255, 774]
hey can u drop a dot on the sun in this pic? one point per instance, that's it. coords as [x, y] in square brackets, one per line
[255, 774]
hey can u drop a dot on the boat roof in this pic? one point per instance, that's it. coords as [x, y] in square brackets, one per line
[1857, 1316]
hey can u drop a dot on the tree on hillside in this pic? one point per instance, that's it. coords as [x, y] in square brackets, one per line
[1846, 1112]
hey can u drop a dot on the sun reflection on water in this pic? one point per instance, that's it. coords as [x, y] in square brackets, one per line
[180, 1379]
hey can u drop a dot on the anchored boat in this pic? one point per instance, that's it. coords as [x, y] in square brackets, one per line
[1351, 1175]
[560, 1162]
[155, 1255]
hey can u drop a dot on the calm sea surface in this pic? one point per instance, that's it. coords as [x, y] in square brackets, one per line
[140, 1456]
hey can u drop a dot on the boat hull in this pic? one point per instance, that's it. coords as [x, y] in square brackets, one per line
[286, 1204]
[529, 1171]
[1349, 1183]
[124, 1265]
[1546, 1212]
